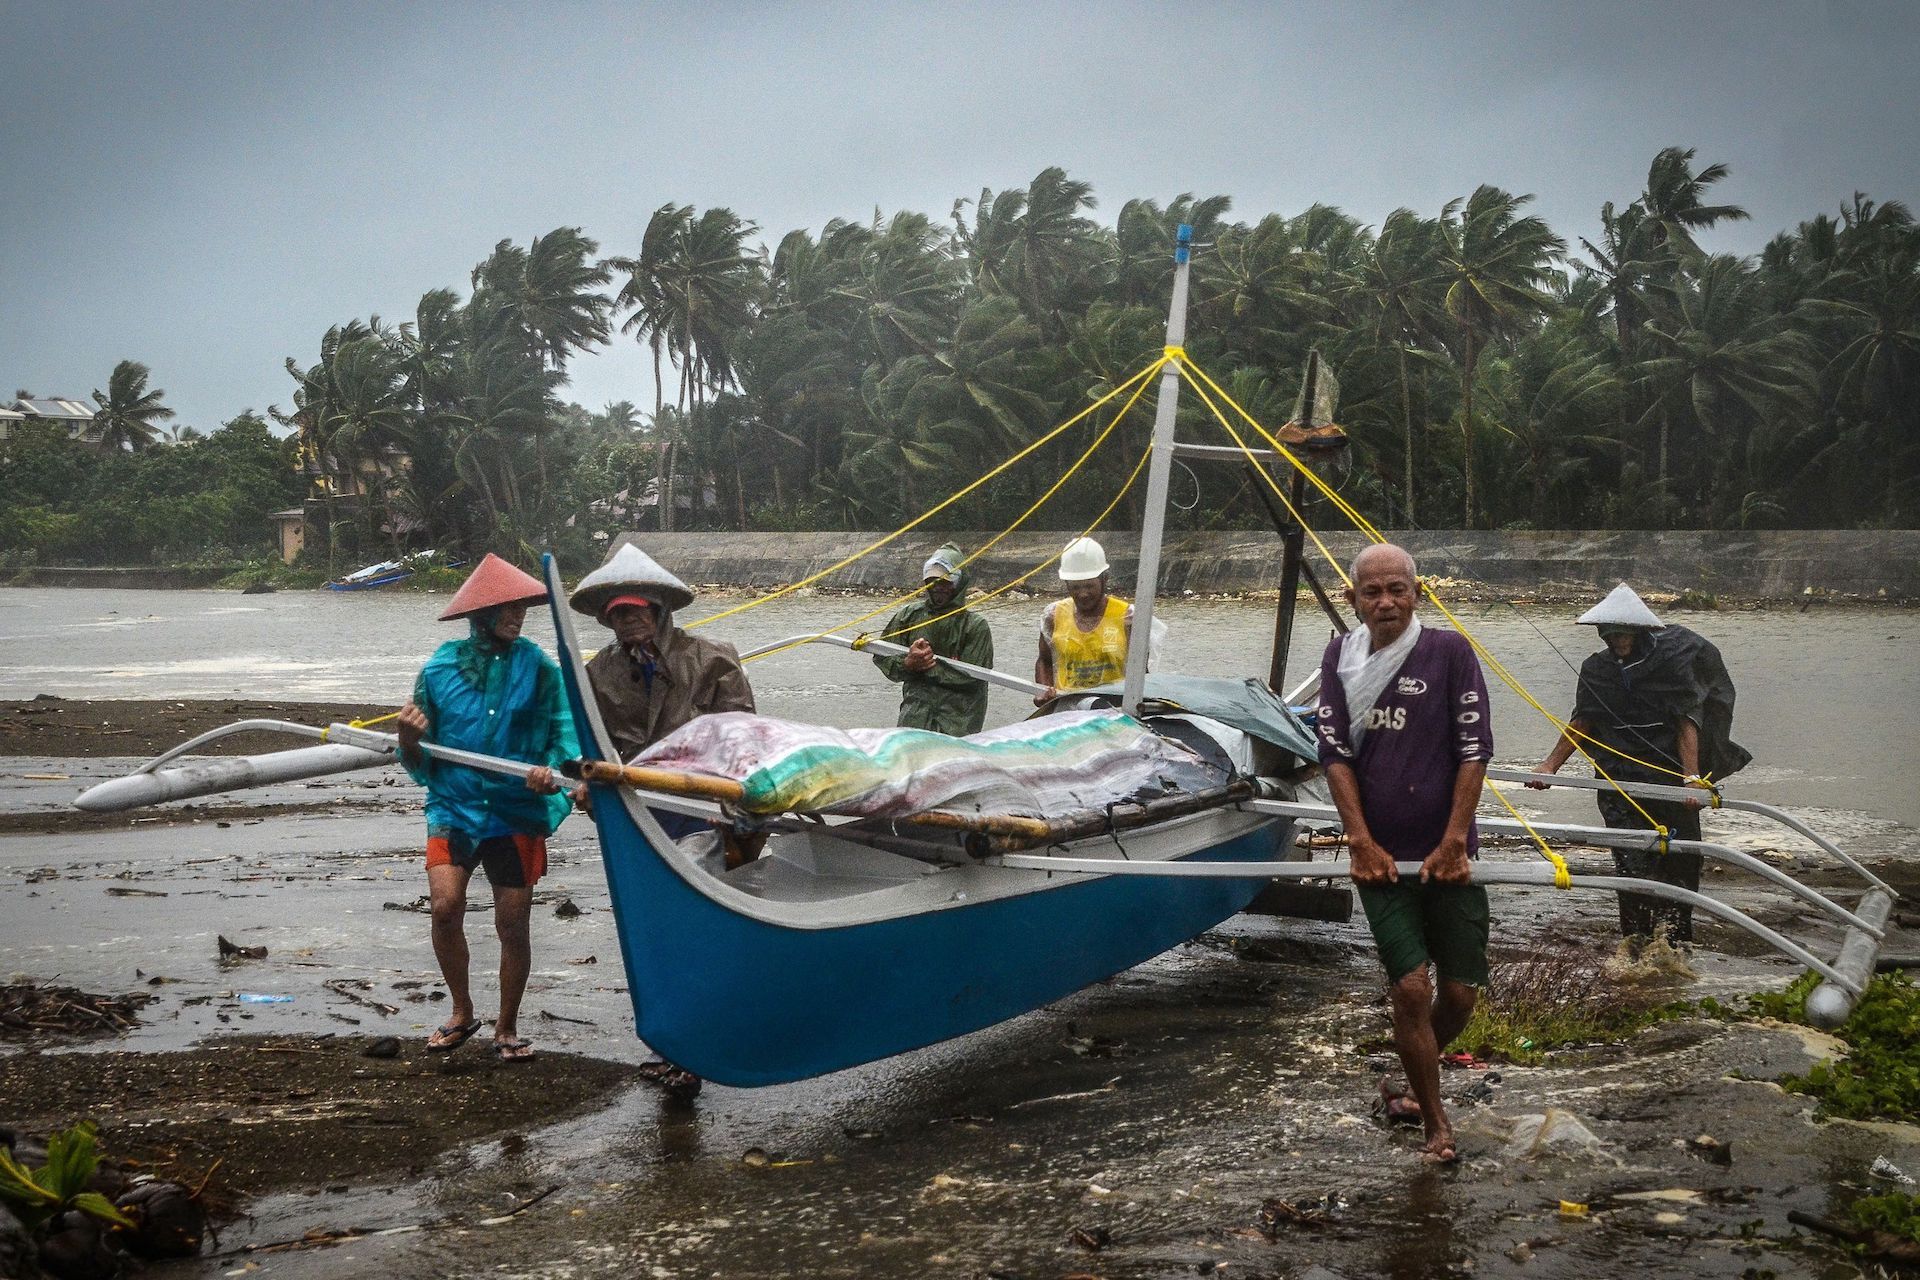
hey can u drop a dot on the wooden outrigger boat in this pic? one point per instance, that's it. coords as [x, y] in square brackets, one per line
[854, 939]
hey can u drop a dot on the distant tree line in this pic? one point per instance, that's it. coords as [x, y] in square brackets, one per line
[203, 498]
[1492, 375]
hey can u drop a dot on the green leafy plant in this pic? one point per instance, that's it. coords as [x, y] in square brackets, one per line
[1896, 1213]
[1786, 1005]
[1880, 1076]
[61, 1183]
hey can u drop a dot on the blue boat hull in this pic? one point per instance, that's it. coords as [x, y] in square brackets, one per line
[745, 1002]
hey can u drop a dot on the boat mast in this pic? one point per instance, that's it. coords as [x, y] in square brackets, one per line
[1292, 545]
[1159, 470]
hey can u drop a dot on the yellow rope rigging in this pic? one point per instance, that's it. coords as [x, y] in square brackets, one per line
[1367, 528]
[1044, 498]
[1138, 378]
[1212, 395]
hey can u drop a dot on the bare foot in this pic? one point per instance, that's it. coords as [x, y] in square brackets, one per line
[1439, 1148]
[1396, 1106]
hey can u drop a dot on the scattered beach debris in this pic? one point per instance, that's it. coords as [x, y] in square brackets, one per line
[257, 997]
[28, 1009]
[1552, 1133]
[1711, 1149]
[1092, 1239]
[1109, 1087]
[351, 989]
[126, 891]
[1876, 1244]
[234, 951]
[168, 1220]
[1885, 1168]
[1277, 1212]
[384, 1047]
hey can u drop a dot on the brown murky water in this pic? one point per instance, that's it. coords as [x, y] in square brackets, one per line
[1162, 1107]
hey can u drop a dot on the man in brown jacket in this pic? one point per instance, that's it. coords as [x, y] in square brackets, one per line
[651, 680]
[655, 677]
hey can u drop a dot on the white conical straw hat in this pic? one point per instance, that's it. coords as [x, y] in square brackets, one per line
[1622, 608]
[629, 571]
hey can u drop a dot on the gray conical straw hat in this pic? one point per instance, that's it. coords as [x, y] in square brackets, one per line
[629, 571]
[1621, 608]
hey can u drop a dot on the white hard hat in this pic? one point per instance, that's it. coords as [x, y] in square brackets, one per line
[1084, 558]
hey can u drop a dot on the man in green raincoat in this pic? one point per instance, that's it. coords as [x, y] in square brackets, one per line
[938, 625]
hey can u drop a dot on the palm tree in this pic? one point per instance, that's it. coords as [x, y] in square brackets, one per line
[1495, 265]
[1724, 355]
[1672, 203]
[1399, 307]
[1557, 391]
[1035, 246]
[127, 410]
[645, 292]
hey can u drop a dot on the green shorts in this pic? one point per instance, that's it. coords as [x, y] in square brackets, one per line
[1413, 923]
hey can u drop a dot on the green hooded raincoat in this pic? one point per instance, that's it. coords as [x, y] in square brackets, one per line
[942, 699]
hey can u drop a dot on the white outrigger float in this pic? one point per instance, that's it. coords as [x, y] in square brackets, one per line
[855, 938]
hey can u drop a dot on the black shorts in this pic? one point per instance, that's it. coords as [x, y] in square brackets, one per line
[511, 861]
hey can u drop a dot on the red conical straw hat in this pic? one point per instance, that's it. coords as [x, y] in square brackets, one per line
[495, 582]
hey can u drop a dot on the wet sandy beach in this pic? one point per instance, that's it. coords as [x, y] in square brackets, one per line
[1157, 1112]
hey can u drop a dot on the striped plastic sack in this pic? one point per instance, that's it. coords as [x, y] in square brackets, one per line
[1032, 769]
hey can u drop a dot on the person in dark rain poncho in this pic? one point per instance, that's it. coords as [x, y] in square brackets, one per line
[1655, 705]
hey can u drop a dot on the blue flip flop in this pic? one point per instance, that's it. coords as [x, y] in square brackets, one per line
[459, 1035]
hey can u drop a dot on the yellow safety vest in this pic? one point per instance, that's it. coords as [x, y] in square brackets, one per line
[1084, 659]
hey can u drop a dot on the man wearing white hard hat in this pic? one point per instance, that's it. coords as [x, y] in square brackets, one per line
[1083, 639]
[1655, 705]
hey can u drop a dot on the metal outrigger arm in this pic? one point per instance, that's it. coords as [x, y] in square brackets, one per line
[1538, 875]
[344, 749]
[1828, 1005]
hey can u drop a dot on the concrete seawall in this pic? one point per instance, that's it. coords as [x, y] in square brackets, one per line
[137, 576]
[1769, 565]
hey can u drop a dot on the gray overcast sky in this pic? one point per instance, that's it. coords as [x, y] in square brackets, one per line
[206, 187]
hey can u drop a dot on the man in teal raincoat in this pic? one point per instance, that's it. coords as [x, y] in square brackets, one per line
[938, 625]
[496, 693]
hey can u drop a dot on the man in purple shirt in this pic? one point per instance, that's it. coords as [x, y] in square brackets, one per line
[1405, 739]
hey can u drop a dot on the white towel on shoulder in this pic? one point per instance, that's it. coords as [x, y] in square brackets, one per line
[1366, 673]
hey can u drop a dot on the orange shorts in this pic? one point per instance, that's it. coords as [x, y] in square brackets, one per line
[511, 861]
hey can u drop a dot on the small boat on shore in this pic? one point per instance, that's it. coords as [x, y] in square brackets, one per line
[383, 574]
[387, 572]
